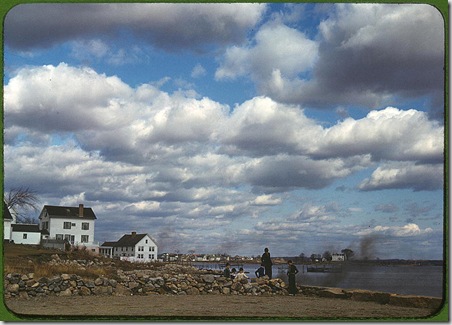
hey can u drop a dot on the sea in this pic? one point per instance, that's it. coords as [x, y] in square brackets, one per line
[421, 280]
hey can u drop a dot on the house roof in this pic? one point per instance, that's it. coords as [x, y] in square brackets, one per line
[25, 227]
[109, 244]
[6, 214]
[68, 212]
[127, 240]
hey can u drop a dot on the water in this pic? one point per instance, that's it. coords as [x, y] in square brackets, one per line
[407, 280]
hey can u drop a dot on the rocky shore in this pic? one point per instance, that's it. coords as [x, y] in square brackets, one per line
[173, 279]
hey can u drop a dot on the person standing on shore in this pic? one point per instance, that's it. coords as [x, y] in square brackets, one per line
[291, 272]
[267, 263]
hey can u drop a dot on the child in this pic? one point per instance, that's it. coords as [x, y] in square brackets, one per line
[227, 271]
[260, 272]
[233, 273]
[241, 275]
[291, 272]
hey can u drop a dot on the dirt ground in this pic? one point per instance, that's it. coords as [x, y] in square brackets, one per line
[207, 307]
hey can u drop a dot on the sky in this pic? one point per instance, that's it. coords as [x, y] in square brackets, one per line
[228, 128]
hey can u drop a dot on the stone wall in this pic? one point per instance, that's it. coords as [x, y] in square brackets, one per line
[172, 279]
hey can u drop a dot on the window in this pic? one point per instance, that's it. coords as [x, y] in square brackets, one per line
[141, 248]
[151, 256]
[146, 241]
[151, 248]
[85, 226]
[25, 236]
[85, 238]
[140, 256]
[67, 225]
[70, 238]
[59, 236]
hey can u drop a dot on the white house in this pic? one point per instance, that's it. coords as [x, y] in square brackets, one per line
[73, 224]
[27, 234]
[7, 222]
[134, 247]
[336, 257]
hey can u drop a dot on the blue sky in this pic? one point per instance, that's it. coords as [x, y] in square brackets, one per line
[227, 128]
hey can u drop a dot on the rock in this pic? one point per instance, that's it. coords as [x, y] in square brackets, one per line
[84, 291]
[23, 295]
[65, 277]
[13, 288]
[66, 292]
[415, 301]
[90, 284]
[103, 290]
[193, 291]
[133, 285]
[227, 284]
[361, 295]
[332, 293]
[208, 278]
[98, 281]
[122, 290]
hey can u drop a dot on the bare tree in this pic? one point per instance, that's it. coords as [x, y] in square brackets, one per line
[20, 201]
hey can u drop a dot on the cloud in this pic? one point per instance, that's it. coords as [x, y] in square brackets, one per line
[405, 175]
[408, 230]
[277, 49]
[64, 98]
[267, 200]
[29, 26]
[395, 50]
[262, 126]
[388, 134]
[198, 71]
[267, 145]
[386, 208]
[368, 55]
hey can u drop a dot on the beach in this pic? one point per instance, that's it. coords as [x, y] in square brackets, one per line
[209, 307]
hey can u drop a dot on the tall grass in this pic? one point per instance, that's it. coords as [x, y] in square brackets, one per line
[47, 270]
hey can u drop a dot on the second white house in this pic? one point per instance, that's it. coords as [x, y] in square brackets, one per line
[134, 247]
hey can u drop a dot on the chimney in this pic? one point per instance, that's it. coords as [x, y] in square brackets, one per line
[134, 233]
[80, 210]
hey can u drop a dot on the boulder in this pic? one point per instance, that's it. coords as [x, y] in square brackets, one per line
[192, 291]
[208, 278]
[65, 277]
[13, 288]
[122, 290]
[84, 291]
[66, 292]
[99, 281]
